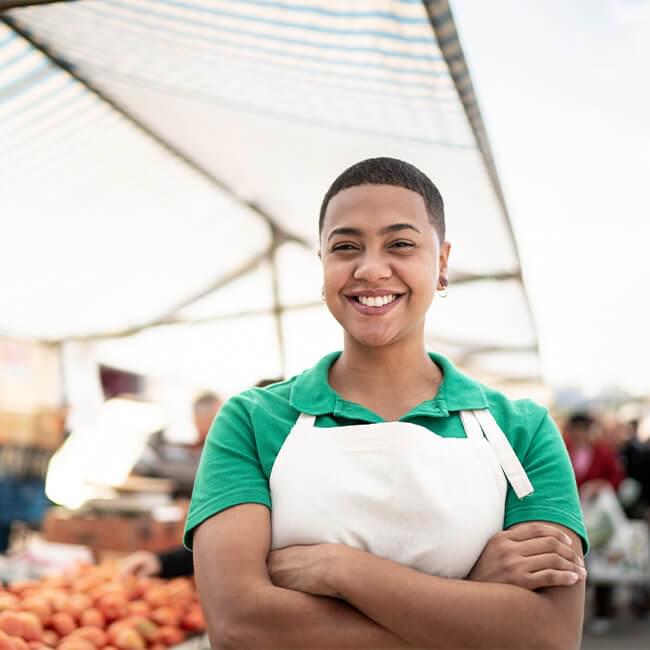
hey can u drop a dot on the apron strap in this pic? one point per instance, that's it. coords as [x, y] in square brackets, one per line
[306, 420]
[510, 464]
[470, 424]
[480, 422]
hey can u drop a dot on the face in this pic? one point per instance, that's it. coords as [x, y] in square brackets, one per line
[382, 262]
[582, 434]
[203, 417]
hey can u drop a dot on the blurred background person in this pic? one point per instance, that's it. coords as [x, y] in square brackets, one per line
[596, 466]
[635, 454]
[177, 561]
[22, 498]
[595, 462]
[179, 462]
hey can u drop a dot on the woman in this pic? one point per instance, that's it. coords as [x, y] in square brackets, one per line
[374, 501]
[595, 462]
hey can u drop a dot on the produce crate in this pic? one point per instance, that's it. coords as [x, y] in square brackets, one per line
[112, 533]
[43, 428]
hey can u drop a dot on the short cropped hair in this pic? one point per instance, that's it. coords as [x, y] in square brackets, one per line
[580, 420]
[390, 171]
[205, 401]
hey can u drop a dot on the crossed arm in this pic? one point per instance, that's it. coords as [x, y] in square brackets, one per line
[333, 596]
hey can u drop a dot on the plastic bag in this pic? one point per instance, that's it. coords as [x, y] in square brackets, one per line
[620, 547]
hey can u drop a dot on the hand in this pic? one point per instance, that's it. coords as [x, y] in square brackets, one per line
[532, 556]
[304, 568]
[591, 488]
[141, 563]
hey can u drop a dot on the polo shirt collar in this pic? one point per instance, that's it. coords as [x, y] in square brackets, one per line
[311, 393]
[458, 391]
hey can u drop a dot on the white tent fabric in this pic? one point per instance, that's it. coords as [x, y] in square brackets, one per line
[162, 165]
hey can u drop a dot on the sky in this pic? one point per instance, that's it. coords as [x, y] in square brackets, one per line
[564, 88]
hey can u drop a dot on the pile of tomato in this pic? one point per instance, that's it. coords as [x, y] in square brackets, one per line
[94, 607]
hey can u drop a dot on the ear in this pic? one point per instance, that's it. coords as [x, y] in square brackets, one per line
[443, 261]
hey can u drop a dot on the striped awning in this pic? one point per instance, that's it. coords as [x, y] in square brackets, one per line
[162, 163]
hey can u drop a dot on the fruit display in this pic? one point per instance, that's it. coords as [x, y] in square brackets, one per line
[94, 607]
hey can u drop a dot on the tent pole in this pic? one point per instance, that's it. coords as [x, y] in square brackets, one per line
[278, 310]
[57, 59]
[446, 35]
[12, 4]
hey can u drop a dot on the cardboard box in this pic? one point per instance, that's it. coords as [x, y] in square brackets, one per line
[30, 375]
[112, 533]
[18, 427]
[44, 428]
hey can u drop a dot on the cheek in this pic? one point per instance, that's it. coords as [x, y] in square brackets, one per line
[429, 283]
[420, 277]
[334, 277]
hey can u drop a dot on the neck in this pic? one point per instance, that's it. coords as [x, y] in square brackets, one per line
[380, 370]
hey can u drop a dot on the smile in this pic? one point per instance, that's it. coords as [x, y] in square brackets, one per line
[374, 305]
[376, 301]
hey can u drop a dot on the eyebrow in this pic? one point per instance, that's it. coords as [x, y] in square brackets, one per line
[355, 232]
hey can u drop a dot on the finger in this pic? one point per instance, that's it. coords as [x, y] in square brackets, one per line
[523, 532]
[546, 561]
[128, 568]
[138, 569]
[550, 578]
[545, 545]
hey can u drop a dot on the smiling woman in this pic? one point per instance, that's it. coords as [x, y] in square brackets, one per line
[382, 499]
[378, 240]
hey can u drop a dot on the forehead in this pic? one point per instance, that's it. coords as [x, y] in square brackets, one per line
[374, 206]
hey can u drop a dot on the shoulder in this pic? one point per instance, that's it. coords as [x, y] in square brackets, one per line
[463, 393]
[252, 399]
[525, 423]
[255, 412]
[518, 412]
[307, 392]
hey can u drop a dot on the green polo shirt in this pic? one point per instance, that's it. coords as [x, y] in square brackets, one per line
[251, 428]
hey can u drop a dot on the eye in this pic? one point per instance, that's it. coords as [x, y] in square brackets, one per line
[344, 246]
[401, 243]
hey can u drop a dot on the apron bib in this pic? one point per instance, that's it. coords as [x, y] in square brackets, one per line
[396, 490]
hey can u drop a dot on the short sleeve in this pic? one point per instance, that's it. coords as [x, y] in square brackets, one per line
[555, 496]
[230, 472]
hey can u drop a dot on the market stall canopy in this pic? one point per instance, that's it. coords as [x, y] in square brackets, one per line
[162, 165]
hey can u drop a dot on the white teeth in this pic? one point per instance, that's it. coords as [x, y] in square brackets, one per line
[376, 301]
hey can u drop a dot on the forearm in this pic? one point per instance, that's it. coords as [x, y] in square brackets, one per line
[432, 612]
[272, 617]
[244, 609]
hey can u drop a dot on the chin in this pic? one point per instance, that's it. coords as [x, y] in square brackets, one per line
[372, 339]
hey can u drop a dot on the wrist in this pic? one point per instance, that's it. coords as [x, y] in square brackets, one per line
[337, 566]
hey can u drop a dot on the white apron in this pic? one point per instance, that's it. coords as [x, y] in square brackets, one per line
[396, 490]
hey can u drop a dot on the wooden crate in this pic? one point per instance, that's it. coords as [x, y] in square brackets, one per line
[112, 533]
[43, 428]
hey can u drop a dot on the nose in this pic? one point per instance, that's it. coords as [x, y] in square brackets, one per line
[372, 267]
